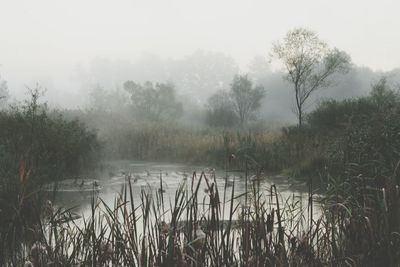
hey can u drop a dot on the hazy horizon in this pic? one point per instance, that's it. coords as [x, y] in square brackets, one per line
[48, 41]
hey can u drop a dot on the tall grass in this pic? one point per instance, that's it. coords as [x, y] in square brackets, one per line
[179, 144]
[354, 224]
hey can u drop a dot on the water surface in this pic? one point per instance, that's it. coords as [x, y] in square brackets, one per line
[150, 176]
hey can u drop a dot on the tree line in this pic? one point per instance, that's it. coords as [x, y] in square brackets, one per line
[308, 64]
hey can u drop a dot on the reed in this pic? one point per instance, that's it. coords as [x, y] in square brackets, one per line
[354, 224]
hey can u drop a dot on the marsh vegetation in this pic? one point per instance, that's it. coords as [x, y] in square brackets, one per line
[342, 155]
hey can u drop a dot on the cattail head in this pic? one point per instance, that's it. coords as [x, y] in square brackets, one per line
[384, 199]
[106, 250]
[38, 253]
[48, 208]
[164, 228]
[199, 236]
[232, 157]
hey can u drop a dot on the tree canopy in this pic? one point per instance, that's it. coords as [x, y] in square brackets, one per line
[4, 94]
[220, 110]
[246, 98]
[154, 102]
[237, 106]
[309, 64]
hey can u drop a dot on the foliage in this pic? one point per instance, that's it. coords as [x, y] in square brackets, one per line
[309, 64]
[220, 112]
[36, 146]
[353, 146]
[246, 98]
[43, 142]
[240, 103]
[4, 94]
[353, 131]
[105, 101]
[178, 144]
[354, 224]
[154, 102]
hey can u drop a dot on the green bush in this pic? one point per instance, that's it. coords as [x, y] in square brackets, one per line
[36, 146]
[342, 133]
[42, 142]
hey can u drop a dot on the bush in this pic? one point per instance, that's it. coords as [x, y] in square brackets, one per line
[342, 133]
[36, 146]
[43, 143]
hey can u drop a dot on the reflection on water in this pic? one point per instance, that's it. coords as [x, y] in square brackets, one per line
[150, 176]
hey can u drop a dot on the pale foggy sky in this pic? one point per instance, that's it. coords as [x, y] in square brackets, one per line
[47, 38]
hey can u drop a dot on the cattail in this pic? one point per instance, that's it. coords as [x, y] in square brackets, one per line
[38, 253]
[106, 250]
[346, 222]
[270, 222]
[161, 191]
[164, 228]
[369, 226]
[231, 157]
[199, 236]
[229, 183]
[293, 243]
[37, 249]
[48, 208]
[384, 199]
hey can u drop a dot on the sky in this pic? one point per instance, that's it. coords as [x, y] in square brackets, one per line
[46, 39]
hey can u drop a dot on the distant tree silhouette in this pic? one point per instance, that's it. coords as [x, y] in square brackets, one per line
[154, 102]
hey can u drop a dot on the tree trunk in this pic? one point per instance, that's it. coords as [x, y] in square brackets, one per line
[300, 116]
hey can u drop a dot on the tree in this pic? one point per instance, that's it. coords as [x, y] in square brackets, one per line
[154, 102]
[220, 110]
[236, 106]
[382, 94]
[4, 94]
[110, 101]
[309, 64]
[246, 98]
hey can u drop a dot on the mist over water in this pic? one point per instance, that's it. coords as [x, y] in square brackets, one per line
[148, 176]
[199, 133]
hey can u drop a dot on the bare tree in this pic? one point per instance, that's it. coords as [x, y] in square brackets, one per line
[309, 64]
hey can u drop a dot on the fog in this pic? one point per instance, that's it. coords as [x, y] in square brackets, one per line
[68, 47]
[199, 133]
